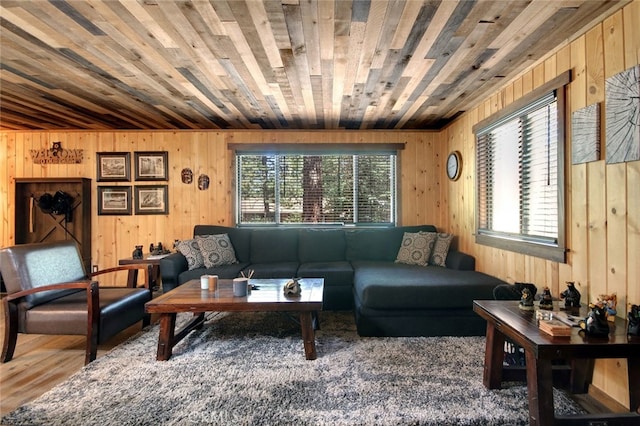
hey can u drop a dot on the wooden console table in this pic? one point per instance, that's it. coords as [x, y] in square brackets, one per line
[506, 320]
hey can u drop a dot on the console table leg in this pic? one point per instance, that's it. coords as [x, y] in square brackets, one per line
[165, 340]
[308, 335]
[633, 366]
[493, 358]
[539, 390]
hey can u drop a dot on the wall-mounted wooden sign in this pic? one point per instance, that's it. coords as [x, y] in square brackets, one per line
[56, 155]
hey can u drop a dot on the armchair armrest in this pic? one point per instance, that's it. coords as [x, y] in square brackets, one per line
[11, 314]
[146, 267]
[80, 285]
[170, 267]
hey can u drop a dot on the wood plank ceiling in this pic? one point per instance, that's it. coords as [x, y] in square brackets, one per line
[274, 64]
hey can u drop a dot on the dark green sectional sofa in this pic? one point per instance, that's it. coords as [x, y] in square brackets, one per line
[359, 270]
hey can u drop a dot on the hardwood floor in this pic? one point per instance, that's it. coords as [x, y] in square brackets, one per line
[41, 362]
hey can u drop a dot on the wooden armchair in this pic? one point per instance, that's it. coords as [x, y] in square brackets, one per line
[49, 292]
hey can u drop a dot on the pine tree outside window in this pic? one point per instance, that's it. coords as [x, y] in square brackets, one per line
[317, 188]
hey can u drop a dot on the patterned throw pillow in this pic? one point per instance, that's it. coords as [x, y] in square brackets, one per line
[440, 249]
[216, 250]
[415, 248]
[191, 250]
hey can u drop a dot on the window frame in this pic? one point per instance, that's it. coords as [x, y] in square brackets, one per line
[556, 252]
[391, 149]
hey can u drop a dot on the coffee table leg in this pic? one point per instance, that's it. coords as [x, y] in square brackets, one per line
[308, 335]
[165, 340]
[539, 390]
[493, 357]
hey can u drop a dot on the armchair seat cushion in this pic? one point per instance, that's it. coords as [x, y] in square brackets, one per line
[119, 308]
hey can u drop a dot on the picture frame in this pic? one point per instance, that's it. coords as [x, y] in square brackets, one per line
[151, 199]
[114, 200]
[151, 165]
[113, 166]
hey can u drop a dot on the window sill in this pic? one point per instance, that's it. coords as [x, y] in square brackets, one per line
[553, 253]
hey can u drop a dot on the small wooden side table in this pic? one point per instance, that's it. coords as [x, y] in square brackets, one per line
[133, 273]
[506, 321]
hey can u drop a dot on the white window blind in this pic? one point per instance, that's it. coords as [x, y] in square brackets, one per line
[518, 195]
[316, 188]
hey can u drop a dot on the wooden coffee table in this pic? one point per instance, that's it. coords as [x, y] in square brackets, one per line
[506, 320]
[269, 296]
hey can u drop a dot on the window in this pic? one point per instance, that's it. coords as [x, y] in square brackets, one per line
[520, 175]
[290, 188]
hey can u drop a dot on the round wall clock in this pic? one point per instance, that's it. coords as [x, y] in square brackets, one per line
[454, 165]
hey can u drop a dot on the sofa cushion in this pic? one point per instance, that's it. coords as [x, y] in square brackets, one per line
[190, 249]
[225, 272]
[274, 245]
[338, 273]
[440, 249]
[240, 238]
[378, 243]
[321, 245]
[216, 250]
[415, 248]
[273, 270]
[389, 285]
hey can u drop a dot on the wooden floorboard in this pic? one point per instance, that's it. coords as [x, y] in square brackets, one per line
[41, 362]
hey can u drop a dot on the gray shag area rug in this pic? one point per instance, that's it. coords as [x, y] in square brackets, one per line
[250, 369]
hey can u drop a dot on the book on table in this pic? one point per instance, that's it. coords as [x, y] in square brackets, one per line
[570, 320]
[555, 327]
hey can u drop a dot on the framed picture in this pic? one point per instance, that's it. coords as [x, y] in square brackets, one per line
[114, 200]
[152, 199]
[152, 165]
[113, 166]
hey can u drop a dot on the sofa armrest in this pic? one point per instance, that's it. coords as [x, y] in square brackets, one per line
[170, 267]
[460, 261]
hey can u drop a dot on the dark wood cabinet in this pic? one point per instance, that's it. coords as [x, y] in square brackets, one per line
[33, 225]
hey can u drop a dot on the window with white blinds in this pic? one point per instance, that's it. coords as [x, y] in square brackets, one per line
[520, 193]
[290, 188]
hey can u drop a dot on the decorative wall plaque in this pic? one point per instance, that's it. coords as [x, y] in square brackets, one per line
[56, 155]
[622, 97]
[585, 134]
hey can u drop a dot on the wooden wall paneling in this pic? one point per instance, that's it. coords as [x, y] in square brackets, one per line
[469, 174]
[464, 209]
[538, 78]
[597, 234]
[594, 65]
[423, 150]
[614, 371]
[616, 379]
[408, 162]
[225, 180]
[631, 17]
[614, 53]
[565, 270]
[616, 216]
[7, 195]
[551, 67]
[579, 248]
